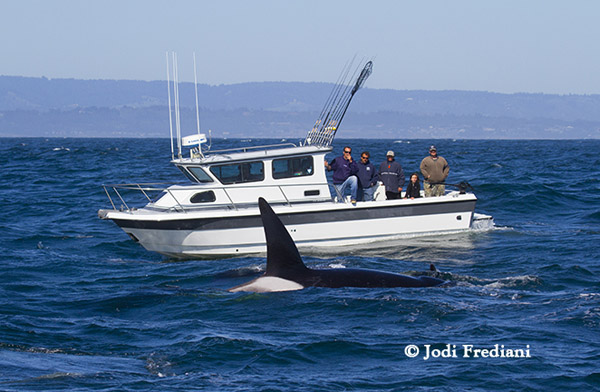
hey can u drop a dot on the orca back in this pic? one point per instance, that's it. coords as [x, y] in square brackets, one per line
[368, 278]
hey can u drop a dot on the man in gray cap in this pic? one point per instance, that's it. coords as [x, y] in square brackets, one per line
[435, 170]
[392, 176]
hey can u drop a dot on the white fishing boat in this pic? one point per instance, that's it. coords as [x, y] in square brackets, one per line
[216, 213]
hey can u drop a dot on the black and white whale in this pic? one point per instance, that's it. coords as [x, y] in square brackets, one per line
[286, 271]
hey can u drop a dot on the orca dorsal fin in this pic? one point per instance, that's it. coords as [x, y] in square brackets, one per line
[283, 258]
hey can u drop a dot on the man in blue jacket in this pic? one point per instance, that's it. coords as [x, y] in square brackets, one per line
[344, 174]
[392, 175]
[367, 177]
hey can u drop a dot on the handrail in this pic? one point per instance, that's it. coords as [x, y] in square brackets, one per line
[123, 201]
[340, 197]
[176, 201]
[284, 196]
[145, 194]
[245, 149]
[188, 185]
[109, 198]
[230, 199]
[144, 188]
[148, 183]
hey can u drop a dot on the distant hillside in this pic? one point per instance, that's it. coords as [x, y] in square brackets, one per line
[97, 108]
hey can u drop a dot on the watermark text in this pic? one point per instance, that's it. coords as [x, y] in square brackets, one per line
[466, 351]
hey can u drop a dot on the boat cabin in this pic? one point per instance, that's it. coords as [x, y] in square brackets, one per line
[234, 178]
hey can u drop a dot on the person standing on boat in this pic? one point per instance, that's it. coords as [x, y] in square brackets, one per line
[344, 174]
[392, 176]
[435, 170]
[413, 189]
[367, 177]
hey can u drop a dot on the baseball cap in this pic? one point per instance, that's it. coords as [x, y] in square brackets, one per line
[432, 148]
[389, 154]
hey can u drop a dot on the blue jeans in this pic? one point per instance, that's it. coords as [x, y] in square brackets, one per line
[351, 182]
[366, 194]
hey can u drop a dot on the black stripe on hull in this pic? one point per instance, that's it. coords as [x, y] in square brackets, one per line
[322, 216]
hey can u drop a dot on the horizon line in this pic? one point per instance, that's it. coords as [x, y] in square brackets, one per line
[43, 77]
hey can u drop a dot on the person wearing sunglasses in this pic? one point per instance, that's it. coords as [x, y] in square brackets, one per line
[367, 177]
[344, 175]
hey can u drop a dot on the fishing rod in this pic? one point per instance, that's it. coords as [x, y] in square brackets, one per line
[327, 109]
[338, 82]
[334, 110]
[342, 107]
[328, 127]
[364, 74]
[313, 136]
[329, 123]
[462, 186]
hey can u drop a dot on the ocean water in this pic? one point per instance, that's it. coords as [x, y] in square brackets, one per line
[84, 308]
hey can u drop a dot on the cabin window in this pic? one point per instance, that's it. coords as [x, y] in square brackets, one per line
[293, 167]
[200, 174]
[187, 174]
[204, 197]
[239, 172]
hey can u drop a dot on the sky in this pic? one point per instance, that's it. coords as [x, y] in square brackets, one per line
[503, 46]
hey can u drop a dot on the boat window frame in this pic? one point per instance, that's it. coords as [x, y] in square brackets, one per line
[293, 174]
[217, 170]
[206, 178]
[187, 174]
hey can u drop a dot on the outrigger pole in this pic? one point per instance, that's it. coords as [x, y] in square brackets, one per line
[176, 96]
[170, 115]
[174, 111]
[196, 90]
[337, 103]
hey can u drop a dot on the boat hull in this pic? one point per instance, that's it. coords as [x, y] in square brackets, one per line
[225, 233]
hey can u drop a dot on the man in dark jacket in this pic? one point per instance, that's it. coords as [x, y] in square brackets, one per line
[344, 174]
[367, 177]
[392, 175]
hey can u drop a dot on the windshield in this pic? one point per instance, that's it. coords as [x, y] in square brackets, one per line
[199, 174]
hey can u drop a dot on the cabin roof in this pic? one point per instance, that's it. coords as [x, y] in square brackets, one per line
[255, 153]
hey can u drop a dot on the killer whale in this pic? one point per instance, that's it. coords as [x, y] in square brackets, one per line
[286, 271]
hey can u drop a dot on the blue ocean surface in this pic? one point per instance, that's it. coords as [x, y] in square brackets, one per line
[84, 308]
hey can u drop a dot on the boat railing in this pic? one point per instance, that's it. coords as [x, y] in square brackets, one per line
[148, 189]
[248, 148]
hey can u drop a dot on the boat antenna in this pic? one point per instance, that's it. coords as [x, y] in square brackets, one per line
[176, 96]
[196, 90]
[170, 110]
[327, 124]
